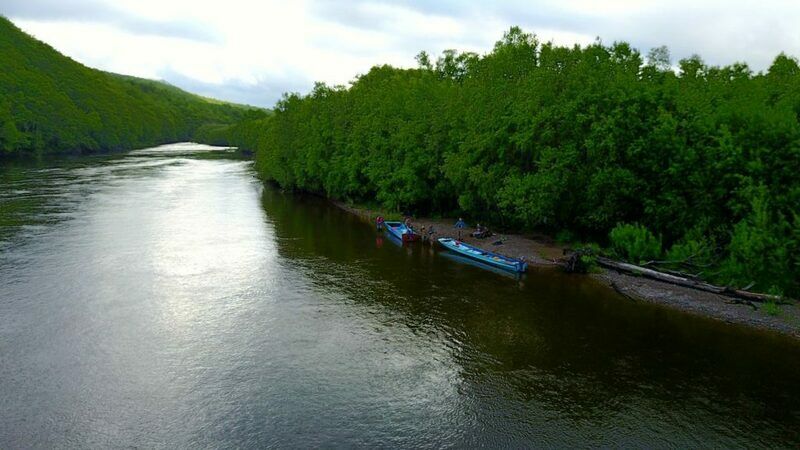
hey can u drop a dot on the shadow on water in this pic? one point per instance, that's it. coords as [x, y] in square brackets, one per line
[163, 298]
[551, 345]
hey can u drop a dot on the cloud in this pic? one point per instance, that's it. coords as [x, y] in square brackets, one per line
[252, 52]
[722, 32]
[95, 11]
[262, 92]
[383, 14]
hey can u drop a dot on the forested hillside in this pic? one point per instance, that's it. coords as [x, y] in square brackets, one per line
[696, 164]
[50, 103]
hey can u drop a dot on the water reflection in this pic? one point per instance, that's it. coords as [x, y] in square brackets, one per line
[559, 352]
[166, 298]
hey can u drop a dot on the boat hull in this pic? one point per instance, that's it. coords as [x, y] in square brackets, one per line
[400, 231]
[464, 261]
[483, 256]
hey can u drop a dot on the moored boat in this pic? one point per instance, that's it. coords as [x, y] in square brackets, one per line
[401, 231]
[486, 257]
[463, 261]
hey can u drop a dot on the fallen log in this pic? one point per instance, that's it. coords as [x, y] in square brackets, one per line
[694, 277]
[756, 297]
[686, 282]
[682, 262]
[675, 262]
[739, 301]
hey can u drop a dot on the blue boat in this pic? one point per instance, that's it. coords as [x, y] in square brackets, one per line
[464, 261]
[492, 259]
[401, 231]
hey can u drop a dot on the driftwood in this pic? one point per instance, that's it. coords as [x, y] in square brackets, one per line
[686, 281]
[573, 263]
[688, 261]
[693, 277]
[739, 301]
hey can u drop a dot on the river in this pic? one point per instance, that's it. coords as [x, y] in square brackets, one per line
[166, 298]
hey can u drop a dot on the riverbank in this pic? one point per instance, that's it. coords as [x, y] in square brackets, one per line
[542, 251]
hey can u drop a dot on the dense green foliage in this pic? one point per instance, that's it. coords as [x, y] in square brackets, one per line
[634, 243]
[224, 134]
[535, 135]
[50, 103]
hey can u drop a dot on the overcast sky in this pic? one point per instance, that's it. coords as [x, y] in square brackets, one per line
[252, 51]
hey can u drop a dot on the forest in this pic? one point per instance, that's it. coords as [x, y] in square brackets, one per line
[52, 104]
[686, 162]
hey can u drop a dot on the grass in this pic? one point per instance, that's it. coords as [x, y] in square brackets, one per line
[771, 308]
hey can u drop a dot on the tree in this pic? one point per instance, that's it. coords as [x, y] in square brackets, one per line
[581, 138]
[424, 61]
[659, 58]
[49, 104]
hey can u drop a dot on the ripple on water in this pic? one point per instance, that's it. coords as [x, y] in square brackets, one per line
[155, 299]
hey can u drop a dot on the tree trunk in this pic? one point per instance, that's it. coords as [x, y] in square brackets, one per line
[683, 281]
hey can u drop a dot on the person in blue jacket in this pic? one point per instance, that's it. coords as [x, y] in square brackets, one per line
[460, 225]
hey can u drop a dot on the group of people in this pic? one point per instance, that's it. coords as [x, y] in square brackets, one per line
[480, 231]
[427, 235]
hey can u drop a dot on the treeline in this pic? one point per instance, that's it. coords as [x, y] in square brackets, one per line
[244, 131]
[50, 103]
[695, 163]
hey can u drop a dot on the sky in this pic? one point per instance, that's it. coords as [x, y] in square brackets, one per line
[253, 51]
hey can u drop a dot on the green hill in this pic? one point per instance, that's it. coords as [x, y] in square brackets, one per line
[50, 103]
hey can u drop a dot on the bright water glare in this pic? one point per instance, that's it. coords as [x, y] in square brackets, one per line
[167, 298]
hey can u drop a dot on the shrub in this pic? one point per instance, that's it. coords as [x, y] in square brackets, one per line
[697, 251]
[759, 251]
[635, 243]
[584, 259]
[565, 237]
[771, 308]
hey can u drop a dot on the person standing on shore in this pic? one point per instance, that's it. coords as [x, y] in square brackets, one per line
[460, 225]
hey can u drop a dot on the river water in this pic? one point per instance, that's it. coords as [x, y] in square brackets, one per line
[166, 298]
